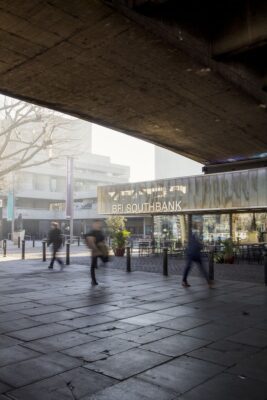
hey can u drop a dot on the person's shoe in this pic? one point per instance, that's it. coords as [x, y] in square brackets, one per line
[50, 267]
[211, 284]
[185, 284]
[94, 283]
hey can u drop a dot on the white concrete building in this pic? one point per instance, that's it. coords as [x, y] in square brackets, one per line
[40, 191]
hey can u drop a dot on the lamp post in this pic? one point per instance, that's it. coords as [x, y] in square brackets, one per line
[69, 196]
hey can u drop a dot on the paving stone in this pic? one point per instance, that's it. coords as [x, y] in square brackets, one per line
[178, 311]
[6, 341]
[15, 354]
[251, 337]
[99, 349]
[228, 387]
[83, 322]
[126, 364]
[262, 325]
[156, 306]
[125, 313]
[74, 384]
[42, 310]
[147, 319]
[182, 323]
[10, 316]
[56, 316]
[176, 345]
[254, 366]
[146, 335]
[35, 369]
[18, 306]
[4, 388]
[18, 324]
[133, 389]
[211, 331]
[226, 357]
[96, 309]
[39, 331]
[59, 342]
[181, 374]
[109, 329]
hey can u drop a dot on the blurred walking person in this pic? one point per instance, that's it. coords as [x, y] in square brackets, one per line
[193, 255]
[55, 239]
[95, 240]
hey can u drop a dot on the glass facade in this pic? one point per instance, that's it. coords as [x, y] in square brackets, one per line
[211, 228]
[249, 227]
[171, 230]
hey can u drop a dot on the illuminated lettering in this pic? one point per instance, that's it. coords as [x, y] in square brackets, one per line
[134, 208]
[164, 206]
[158, 206]
[178, 205]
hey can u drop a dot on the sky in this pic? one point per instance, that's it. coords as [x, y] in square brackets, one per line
[137, 154]
[126, 150]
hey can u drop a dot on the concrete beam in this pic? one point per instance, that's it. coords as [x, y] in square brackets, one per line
[243, 31]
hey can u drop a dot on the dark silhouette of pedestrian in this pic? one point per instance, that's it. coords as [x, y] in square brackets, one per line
[95, 240]
[193, 255]
[55, 239]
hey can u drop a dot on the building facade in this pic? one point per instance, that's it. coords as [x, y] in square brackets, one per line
[40, 191]
[216, 206]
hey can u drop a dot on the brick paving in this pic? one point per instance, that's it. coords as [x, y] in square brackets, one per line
[136, 336]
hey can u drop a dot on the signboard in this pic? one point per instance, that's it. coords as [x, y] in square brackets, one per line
[225, 191]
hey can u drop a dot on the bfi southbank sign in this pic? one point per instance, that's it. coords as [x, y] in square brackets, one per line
[147, 208]
[224, 191]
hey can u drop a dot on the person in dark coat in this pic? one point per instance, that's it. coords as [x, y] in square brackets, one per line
[55, 239]
[95, 240]
[193, 255]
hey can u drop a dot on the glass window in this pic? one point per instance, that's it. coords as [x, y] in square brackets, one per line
[170, 230]
[249, 227]
[211, 228]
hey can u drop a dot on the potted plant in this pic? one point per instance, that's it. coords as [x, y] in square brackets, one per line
[228, 251]
[119, 242]
[118, 234]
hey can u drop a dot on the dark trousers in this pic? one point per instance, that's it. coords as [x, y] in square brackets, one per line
[54, 257]
[198, 261]
[93, 267]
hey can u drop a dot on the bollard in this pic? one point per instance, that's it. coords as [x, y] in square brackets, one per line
[44, 249]
[79, 240]
[265, 268]
[33, 241]
[211, 265]
[165, 261]
[67, 253]
[4, 248]
[19, 242]
[128, 259]
[23, 249]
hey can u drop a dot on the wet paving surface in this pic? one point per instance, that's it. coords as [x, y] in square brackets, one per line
[136, 336]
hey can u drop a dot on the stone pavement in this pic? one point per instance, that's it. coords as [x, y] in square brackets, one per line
[136, 336]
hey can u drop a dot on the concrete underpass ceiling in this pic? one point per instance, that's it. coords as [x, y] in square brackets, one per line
[127, 71]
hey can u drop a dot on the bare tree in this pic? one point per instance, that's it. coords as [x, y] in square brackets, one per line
[31, 135]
